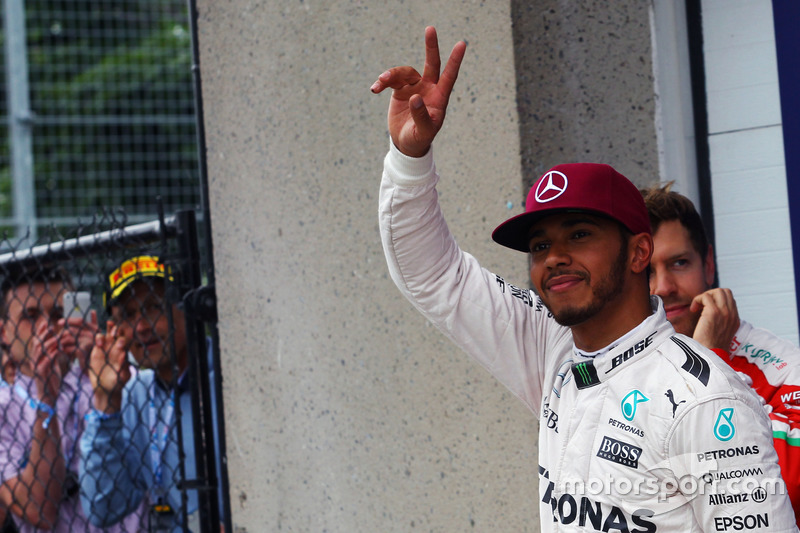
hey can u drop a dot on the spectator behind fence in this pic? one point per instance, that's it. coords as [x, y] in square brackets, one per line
[130, 449]
[683, 272]
[44, 398]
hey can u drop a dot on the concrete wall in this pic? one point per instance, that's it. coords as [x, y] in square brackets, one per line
[345, 410]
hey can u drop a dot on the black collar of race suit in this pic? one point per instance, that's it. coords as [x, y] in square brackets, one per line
[591, 371]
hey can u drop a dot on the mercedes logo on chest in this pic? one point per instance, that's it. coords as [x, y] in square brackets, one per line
[551, 186]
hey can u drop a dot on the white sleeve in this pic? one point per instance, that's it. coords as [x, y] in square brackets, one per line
[721, 451]
[502, 326]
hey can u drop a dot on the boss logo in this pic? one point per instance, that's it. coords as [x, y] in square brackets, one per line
[619, 452]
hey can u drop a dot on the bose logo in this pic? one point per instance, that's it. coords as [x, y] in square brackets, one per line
[630, 352]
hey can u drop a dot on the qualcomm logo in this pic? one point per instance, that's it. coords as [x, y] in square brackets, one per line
[551, 186]
[723, 428]
[629, 403]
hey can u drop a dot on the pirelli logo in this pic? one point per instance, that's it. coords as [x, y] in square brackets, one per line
[585, 374]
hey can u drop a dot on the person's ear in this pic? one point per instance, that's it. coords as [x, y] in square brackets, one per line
[640, 251]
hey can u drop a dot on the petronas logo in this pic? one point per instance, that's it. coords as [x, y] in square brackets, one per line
[629, 403]
[723, 428]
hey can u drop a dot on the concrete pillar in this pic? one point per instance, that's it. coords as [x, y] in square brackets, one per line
[345, 410]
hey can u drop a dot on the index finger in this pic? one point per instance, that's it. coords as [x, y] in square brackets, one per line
[396, 78]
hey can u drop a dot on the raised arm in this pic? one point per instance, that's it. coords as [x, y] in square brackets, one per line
[419, 102]
[497, 324]
[111, 484]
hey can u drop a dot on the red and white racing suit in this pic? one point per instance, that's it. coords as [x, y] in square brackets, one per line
[657, 434]
[772, 366]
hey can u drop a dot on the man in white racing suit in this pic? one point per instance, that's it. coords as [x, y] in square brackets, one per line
[682, 275]
[641, 430]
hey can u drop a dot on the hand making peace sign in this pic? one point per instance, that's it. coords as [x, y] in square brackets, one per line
[418, 104]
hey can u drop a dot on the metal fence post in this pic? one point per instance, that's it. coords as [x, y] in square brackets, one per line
[199, 372]
[20, 119]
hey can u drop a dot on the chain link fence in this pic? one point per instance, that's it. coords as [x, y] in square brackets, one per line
[97, 111]
[108, 417]
[98, 136]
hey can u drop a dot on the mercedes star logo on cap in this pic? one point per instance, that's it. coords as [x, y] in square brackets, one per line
[551, 186]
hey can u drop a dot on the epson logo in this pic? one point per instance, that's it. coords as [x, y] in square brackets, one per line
[630, 352]
[738, 523]
[619, 452]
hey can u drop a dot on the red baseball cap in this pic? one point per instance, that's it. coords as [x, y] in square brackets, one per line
[590, 187]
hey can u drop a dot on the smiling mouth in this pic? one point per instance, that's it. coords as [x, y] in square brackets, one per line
[563, 282]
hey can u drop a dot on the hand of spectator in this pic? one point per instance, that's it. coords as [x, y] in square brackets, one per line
[719, 318]
[418, 104]
[109, 368]
[77, 338]
[50, 364]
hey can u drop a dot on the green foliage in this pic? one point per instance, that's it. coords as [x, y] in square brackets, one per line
[111, 87]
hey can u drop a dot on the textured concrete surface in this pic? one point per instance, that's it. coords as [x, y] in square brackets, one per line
[585, 85]
[345, 410]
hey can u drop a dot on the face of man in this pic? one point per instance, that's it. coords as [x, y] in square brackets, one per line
[28, 306]
[578, 265]
[141, 315]
[678, 274]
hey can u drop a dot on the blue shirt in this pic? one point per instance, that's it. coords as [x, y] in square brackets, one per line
[121, 455]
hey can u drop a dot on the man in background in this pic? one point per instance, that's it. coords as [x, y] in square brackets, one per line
[130, 449]
[682, 274]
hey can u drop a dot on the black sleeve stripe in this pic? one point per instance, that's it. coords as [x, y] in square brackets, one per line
[695, 365]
